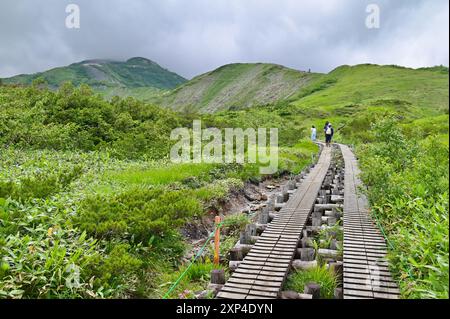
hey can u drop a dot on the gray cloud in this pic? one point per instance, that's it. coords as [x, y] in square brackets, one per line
[195, 36]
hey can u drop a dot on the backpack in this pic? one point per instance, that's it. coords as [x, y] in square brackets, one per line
[328, 131]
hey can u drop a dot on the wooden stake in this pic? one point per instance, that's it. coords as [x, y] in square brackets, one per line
[216, 242]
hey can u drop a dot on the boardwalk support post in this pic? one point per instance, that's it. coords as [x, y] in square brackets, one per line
[236, 254]
[264, 216]
[218, 276]
[312, 289]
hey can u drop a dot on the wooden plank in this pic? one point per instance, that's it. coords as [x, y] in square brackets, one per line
[268, 264]
[371, 281]
[235, 290]
[266, 283]
[348, 270]
[292, 228]
[364, 242]
[372, 288]
[379, 295]
[357, 238]
[280, 245]
[250, 287]
[257, 293]
[245, 265]
[258, 297]
[351, 264]
[227, 295]
[384, 279]
[273, 249]
[386, 290]
[357, 293]
[273, 241]
[353, 297]
[360, 259]
[271, 254]
[284, 260]
[258, 276]
[272, 260]
[260, 272]
[280, 236]
[365, 249]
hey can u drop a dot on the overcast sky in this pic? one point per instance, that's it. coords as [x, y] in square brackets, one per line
[194, 36]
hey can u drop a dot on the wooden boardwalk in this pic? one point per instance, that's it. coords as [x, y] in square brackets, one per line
[366, 271]
[263, 271]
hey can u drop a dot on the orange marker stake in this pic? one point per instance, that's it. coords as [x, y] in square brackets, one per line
[216, 241]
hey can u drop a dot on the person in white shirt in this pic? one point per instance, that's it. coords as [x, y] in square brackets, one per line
[313, 133]
[329, 132]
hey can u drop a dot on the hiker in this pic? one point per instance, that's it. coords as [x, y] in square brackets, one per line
[325, 127]
[329, 132]
[313, 133]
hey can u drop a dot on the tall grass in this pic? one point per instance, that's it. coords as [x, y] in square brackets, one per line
[166, 174]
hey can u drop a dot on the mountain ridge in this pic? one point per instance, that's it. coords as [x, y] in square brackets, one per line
[236, 86]
[103, 74]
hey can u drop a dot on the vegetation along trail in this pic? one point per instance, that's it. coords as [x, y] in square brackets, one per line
[92, 207]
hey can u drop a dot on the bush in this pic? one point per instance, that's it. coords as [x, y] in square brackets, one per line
[136, 214]
[39, 184]
[233, 224]
[116, 268]
[77, 118]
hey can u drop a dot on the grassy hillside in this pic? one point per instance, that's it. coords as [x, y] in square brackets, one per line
[237, 86]
[351, 97]
[106, 74]
[418, 91]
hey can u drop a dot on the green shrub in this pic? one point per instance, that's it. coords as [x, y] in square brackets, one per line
[233, 224]
[39, 184]
[117, 267]
[136, 214]
[200, 271]
[76, 118]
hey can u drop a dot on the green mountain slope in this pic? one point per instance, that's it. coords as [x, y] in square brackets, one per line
[417, 91]
[106, 75]
[237, 86]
